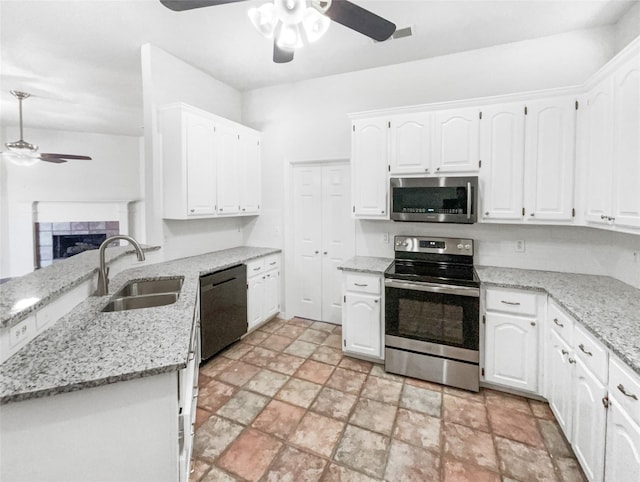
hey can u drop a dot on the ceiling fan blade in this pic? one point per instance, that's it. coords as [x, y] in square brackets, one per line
[45, 156]
[56, 160]
[280, 55]
[361, 20]
[181, 5]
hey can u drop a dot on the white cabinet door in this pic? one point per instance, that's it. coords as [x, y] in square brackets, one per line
[455, 146]
[369, 153]
[589, 422]
[361, 325]
[255, 301]
[626, 145]
[307, 242]
[560, 377]
[227, 156]
[549, 159]
[410, 143]
[250, 180]
[271, 294]
[338, 237]
[598, 152]
[511, 354]
[201, 165]
[622, 461]
[502, 154]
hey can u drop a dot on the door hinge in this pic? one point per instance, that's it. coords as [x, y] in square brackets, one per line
[389, 124]
[484, 320]
[480, 115]
[526, 111]
[480, 163]
[389, 167]
[354, 128]
[344, 343]
[577, 105]
[523, 211]
[606, 402]
[247, 285]
[238, 136]
[345, 298]
[573, 212]
[354, 209]
[482, 371]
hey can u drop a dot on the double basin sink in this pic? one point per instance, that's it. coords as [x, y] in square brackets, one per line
[145, 294]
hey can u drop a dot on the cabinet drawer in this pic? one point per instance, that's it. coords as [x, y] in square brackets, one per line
[363, 283]
[511, 301]
[593, 353]
[560, 322]
[624, 385]
[255, 267]
[272, 262]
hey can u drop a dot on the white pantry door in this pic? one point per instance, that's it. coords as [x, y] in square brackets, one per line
[324, 237]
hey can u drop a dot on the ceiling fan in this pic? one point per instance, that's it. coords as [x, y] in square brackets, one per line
[282, 20]
[23, 153]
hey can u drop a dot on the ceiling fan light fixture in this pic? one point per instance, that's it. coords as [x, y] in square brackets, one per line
[21, 157]
[289, 36]
[315, 24]
[265, 19]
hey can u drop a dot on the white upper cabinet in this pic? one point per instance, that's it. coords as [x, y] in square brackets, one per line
[549, 156]
[228, 162]
[626, 144]
[410, 143]
[502, 154]
[599, 130]
[210, 165]
[369, 152]
[455, 142]
[250, 186]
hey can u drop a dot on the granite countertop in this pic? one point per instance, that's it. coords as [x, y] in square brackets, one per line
[366, 264]
[608, 308]
[88, 348]
[22, 296]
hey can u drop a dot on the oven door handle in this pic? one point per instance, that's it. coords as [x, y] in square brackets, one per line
[469, 200]
[434, 288]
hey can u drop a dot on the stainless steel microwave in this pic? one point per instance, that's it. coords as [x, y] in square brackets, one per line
[434, 199]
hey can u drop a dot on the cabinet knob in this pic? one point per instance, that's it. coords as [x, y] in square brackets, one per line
[611, 218]
[602, 216]
[221, 209]
[191, 210]
[243, 209]
[426, 170]
[533, 323]
[564, 352]
[317, 252]
[532, 214]
[571, 360]
[375, 301]
[437, 168]
[382, 211]
[486, 213]
[325, 252]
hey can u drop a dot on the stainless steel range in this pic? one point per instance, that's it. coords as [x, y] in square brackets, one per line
[432, 311]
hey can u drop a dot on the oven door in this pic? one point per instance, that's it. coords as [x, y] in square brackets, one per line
[433, 318]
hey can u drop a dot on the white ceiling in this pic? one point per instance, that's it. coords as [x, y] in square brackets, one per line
[81, 59]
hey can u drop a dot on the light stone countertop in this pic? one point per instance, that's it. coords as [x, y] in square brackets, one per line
[366, 264]
[44, 285]
[88, 348]
[606, 307]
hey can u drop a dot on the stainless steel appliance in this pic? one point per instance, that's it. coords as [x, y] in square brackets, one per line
[432, 311]
[223, 309]
[434, 199]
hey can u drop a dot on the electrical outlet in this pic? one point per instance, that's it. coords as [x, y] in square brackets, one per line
[386, 238]
[19, 333]
[520, 246]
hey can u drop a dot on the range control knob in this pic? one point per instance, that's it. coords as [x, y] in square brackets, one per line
[460, 246]
[467, 246]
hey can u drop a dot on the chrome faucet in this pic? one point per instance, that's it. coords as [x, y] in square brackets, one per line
[103, 271]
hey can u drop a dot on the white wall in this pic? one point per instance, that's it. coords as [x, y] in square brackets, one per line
[628, 27]
[167, 79]
[308, 121]
[113, 174]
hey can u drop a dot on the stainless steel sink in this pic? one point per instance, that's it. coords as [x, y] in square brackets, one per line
[141, 301]
[149, 287]
[145, 294]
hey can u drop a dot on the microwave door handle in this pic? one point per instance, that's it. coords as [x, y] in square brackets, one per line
[469, 196]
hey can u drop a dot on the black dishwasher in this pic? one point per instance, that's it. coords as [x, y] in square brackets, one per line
[223, 309]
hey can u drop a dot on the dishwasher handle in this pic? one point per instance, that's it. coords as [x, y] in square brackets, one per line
[209, 287]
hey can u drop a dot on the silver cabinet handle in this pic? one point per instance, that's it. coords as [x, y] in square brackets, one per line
[375, 301]
[257, 269]
[624, 392]
[533, 323]
[361, 284]
[564, 352]
[611, 218]
[512, 303]
[272, 263]
[571, 360]
[581, 346]
[532, 214]
[555, 320]
[602, 216]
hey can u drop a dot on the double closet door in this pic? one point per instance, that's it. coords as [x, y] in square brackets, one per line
[323, 238]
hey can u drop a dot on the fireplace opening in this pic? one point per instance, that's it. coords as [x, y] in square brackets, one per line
[66, 245]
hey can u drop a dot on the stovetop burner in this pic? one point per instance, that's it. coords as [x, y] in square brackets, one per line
[434, 260]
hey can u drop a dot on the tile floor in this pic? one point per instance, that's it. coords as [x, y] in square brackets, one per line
[284, 404]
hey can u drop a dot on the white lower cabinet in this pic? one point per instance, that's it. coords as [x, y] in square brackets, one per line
[362, 331]
[622, 460]
[559, 376]
[511, 339]
[263, 290]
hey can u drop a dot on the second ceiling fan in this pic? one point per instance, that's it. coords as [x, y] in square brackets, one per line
[282, 20]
